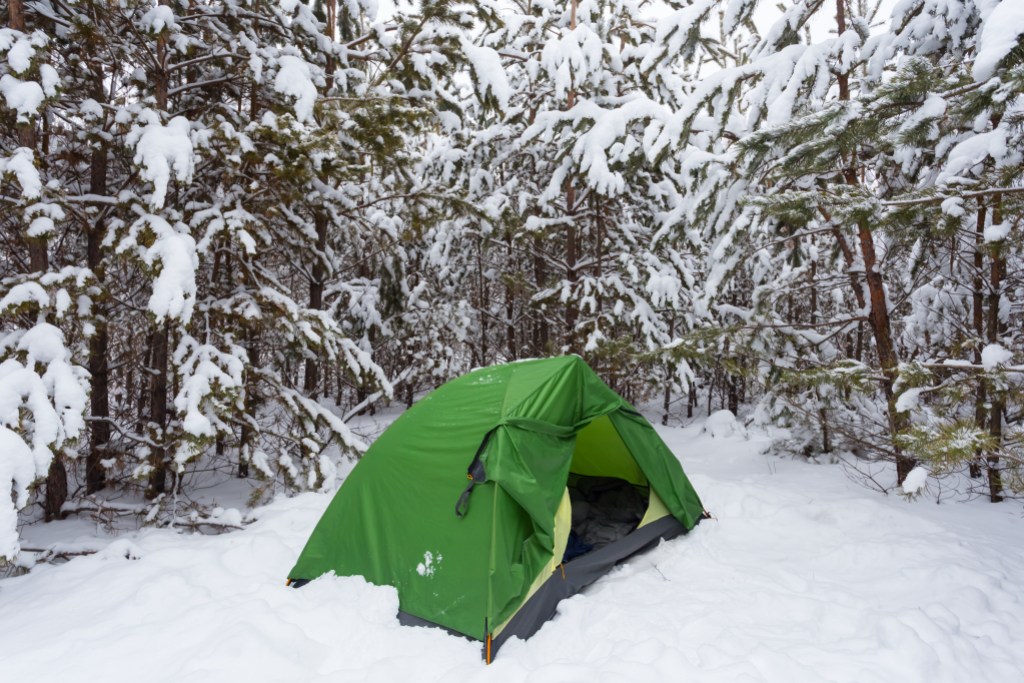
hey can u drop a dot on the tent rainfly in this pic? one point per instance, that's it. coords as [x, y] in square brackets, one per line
[499, 494]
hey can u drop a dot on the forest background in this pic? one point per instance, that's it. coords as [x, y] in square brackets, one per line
[229, 226]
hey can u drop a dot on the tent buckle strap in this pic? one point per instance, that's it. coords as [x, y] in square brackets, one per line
[476, 475]
[462, 505]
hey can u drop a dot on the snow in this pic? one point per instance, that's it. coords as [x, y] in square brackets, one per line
[908, 400]
[159, 18]
[17, 472]
[722, 424]
[22, 166]
[207, 371]
[997, 232]
[490, 75]
[915, 480]
[49, 78]
[23, 97]
[174, 289]
[994, 355]
[20, 48]
[227, 517]
[976, 149]
[295, 79]
[803, 575]
[23, 293]
[430, 564]
[42, 403]
[1000, 34]
[573, 58]
[162, 149]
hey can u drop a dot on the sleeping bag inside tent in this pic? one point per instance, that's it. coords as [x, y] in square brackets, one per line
[498, 495]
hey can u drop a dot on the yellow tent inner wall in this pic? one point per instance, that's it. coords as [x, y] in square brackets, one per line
[600, 452]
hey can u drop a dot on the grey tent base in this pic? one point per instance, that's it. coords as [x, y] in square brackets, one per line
[406, 619]
[579, 573]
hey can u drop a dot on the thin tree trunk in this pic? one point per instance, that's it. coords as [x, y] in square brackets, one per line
[540, 328]
[980, 397]
[572, 236]
[995, 482]
[311, 380]
[510, 308]
[252, 401]
[158, 354]
[711, 389]
[826, 435]
[482, 348]
[571, 257]
[56, 489]
[339, 387]
[881, 327]
[26, 129]
[56, 477]
[158, 411]
[99, 397]
[730, 395]
[878, 317]
[666, 400]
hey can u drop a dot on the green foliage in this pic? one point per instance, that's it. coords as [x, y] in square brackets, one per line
[945, 447]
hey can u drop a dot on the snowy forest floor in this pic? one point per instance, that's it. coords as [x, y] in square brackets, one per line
[804, 576]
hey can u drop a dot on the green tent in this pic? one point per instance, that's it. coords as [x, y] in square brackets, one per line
[468, 504]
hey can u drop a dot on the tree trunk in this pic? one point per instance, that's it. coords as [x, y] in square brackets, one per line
[56, 489]
[482, 305]
[571, 257]
[339, 386]
[540, 327]
[99, 403]
[979, 329]
[27, 136]
[311, 380]
[246, 445]
[666, 400]
[158, 353]
[572, 235]
[878, 317]
[158, 411]
[997, 272]
[826, 435]
[510, 308]
[881, 327]
[734, 395]
[56, 478]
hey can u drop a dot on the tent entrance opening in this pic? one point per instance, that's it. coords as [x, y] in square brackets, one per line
[604, 509]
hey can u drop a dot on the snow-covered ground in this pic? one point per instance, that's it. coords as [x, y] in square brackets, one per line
[803, 576]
